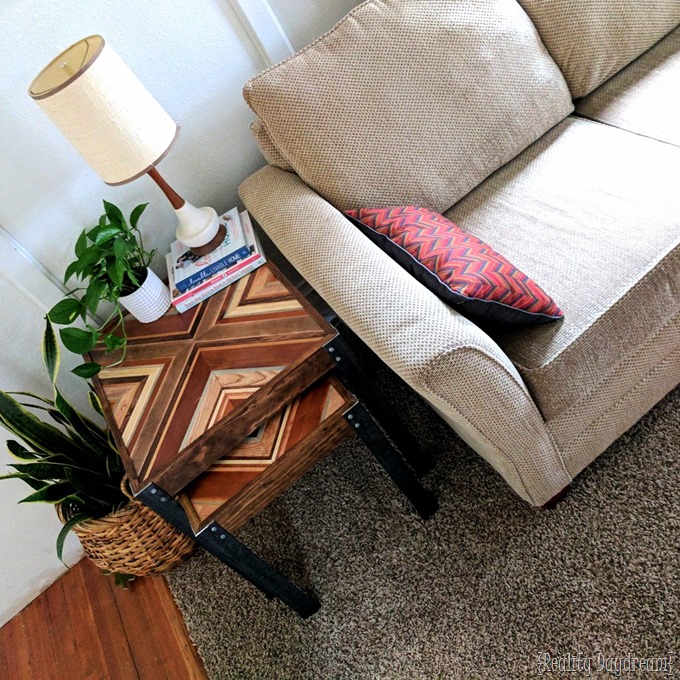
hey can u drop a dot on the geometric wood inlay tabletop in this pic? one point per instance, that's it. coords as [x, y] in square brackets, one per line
[194, 385]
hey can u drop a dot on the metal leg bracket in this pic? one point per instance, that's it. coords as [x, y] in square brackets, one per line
[357, 381]
[232, 552]
[423, 500]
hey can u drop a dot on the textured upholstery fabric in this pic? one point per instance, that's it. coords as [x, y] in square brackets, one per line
[411, 101]
[645, 97]
[596, 221]
[593, 39]
[642, 378]
[269, 150]
[443, 356]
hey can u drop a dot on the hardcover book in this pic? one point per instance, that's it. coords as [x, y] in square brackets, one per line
[207, 287]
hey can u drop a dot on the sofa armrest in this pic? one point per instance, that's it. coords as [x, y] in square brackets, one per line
[447, 359]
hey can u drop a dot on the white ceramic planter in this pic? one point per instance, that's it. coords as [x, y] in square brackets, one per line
[149, 302]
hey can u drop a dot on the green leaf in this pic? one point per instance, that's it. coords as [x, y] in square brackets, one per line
[93, 295]
[114, 466]
[122, 247]
[18, 451]
[76, 519]
[50, 351]
[92, 483]
[31, 429]
[93, 438]
[52, 493]
[115, 266]
[64, 407]
[95, 403]
[88, 260]
[41, 471]
[34, 484]
[113, 213]
[123, 580]
[17, 475]
[113, 342]
[78, 340]
[49, 402]
[106, 234]
[81, 245]
[65, 311]
[135, 279]
[54, 414]
[73, 268]
[87, 370]
[136, 214]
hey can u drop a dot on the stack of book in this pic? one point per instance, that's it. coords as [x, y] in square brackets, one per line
[193, 278]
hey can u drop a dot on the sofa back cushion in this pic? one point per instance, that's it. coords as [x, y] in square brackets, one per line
[272, 154]
[593, 39]
[411, 101]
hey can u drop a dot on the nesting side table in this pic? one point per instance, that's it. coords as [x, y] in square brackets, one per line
[219, 410]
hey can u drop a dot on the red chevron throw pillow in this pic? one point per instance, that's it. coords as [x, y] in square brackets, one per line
[463, 271]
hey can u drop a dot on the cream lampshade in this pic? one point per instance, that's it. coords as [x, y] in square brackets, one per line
[118, 127]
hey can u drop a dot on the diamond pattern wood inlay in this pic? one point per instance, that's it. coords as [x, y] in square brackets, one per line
[184, 393]
[238, 474]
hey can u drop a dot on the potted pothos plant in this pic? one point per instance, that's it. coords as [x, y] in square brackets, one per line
[111, 265]
[70, 461]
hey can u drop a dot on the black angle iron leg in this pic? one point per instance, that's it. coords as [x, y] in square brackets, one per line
[232, 552]
[350, 372]
[423, 500]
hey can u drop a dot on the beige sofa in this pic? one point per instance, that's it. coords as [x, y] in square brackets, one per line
[527, 125]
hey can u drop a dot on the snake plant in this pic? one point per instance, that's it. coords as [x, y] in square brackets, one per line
[73, 461]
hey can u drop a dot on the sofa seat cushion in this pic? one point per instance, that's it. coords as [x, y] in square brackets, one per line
[593, 39]
[592, 213]
[645, 96]
[411, 101]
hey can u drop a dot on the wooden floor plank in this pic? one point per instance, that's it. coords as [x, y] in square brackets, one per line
[40, 651]
[119, 659]
[83, 627]
[180, 634]
[171, 652]
[15, 642]
[57, 612]
[138, 624]
[90, 650]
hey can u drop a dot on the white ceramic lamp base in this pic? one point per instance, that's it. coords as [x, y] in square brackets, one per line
[198, 228]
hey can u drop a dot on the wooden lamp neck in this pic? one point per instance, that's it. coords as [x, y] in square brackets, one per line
[175, 199]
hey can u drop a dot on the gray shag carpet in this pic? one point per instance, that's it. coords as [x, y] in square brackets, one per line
[482, 590]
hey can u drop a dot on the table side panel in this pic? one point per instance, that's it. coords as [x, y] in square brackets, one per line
[281, 450]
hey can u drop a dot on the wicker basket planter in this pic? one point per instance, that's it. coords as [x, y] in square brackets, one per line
[133, 540]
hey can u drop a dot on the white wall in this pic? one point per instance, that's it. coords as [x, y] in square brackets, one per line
[305, 20]
[194, 57]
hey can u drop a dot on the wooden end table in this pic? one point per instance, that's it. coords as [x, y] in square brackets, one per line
[218, 410]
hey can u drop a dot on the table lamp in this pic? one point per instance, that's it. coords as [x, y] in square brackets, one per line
[117, 126]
